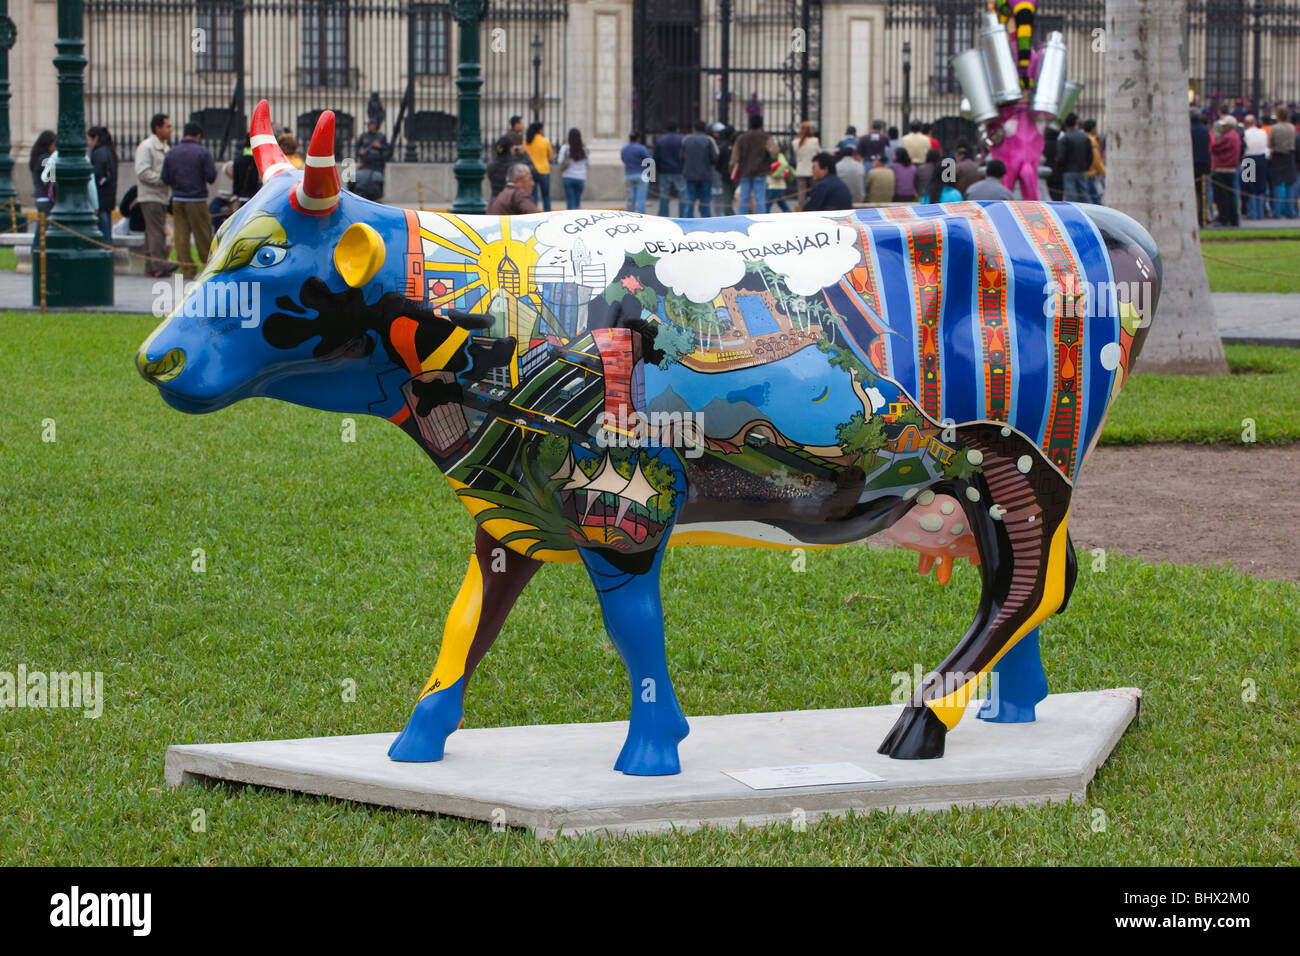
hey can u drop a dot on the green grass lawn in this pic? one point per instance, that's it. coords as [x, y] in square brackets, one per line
[1212, 409]
[1250, 235]
[329, 561]
[1244, 266]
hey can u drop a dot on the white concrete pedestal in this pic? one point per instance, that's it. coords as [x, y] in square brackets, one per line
[557, 779]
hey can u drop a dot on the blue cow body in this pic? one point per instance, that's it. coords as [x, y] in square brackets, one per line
[598, 385]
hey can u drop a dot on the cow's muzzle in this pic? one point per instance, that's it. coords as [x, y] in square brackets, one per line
[162, 369]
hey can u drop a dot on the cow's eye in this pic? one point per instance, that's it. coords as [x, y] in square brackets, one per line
[268, 256]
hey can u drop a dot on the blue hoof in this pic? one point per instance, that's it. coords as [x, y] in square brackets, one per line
[1017, 684]
[652, 755]
[434, 719]
[1005, 712]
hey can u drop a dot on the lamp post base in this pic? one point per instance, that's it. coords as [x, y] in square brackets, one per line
[74, 275]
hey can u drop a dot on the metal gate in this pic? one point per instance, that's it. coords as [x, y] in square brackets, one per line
[725, 59]
[1244, 52]
[211, 61]
[921, 36]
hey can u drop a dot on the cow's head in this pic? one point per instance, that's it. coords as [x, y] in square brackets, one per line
[300, 299]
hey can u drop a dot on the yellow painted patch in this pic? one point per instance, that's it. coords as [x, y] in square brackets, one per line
[359, 254]
[439, 359]
[458, 635]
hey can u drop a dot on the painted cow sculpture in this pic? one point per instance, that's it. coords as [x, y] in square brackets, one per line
[597, 385]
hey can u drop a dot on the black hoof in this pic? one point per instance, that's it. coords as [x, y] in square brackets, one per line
[918, 735]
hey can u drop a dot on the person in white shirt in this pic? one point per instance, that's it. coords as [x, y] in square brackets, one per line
[1254, 167]
[573, 163]
[805, 148]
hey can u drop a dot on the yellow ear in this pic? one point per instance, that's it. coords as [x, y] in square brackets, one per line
[359, 254]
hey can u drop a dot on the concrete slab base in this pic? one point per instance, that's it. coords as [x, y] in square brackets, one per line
[557, 779]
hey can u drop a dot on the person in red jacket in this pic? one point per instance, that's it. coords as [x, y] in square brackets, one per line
[1225, 154]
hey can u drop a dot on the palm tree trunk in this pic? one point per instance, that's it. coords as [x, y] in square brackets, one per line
[1149, 175]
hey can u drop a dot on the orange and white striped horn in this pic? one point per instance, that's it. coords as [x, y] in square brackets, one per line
[267, 154]
[318, 192]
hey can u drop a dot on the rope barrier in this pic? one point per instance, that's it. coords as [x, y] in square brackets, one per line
[100, 243]
[1242, 265]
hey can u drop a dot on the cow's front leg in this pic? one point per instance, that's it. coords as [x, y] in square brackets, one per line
[634, 619]
[1018, 509]
[493, 582]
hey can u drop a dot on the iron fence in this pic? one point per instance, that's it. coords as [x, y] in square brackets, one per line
[210, 61]
[725, 59]
[921, 36]
[1244, 52]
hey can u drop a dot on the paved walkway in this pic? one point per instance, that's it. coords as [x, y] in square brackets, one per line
[1257, 318]
[1247, 224]
[1246, 317]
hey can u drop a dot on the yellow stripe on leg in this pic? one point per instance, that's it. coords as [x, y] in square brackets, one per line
[458, 635]
[950, 709]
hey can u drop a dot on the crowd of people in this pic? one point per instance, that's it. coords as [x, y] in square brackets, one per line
[1248, 163]
[1243, 165]
[174, 179]
[713, 167]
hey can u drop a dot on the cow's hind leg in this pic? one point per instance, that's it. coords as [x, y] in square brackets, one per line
[493, 582]
[634, 619]
[1018, 506]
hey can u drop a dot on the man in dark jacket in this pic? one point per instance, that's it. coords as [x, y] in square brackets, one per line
[875, 143]
[1074, 153]
[1200, 162]
[699, 153]
[668, 169]
[188, 169]
[103, 164]
[829, 191]
[373, 145]
[752, 159]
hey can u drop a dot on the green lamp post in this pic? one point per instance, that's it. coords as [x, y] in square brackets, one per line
[11, 219]
[469, 166]
[77, 272]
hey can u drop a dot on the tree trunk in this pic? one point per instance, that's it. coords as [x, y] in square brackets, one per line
[1149, 175]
